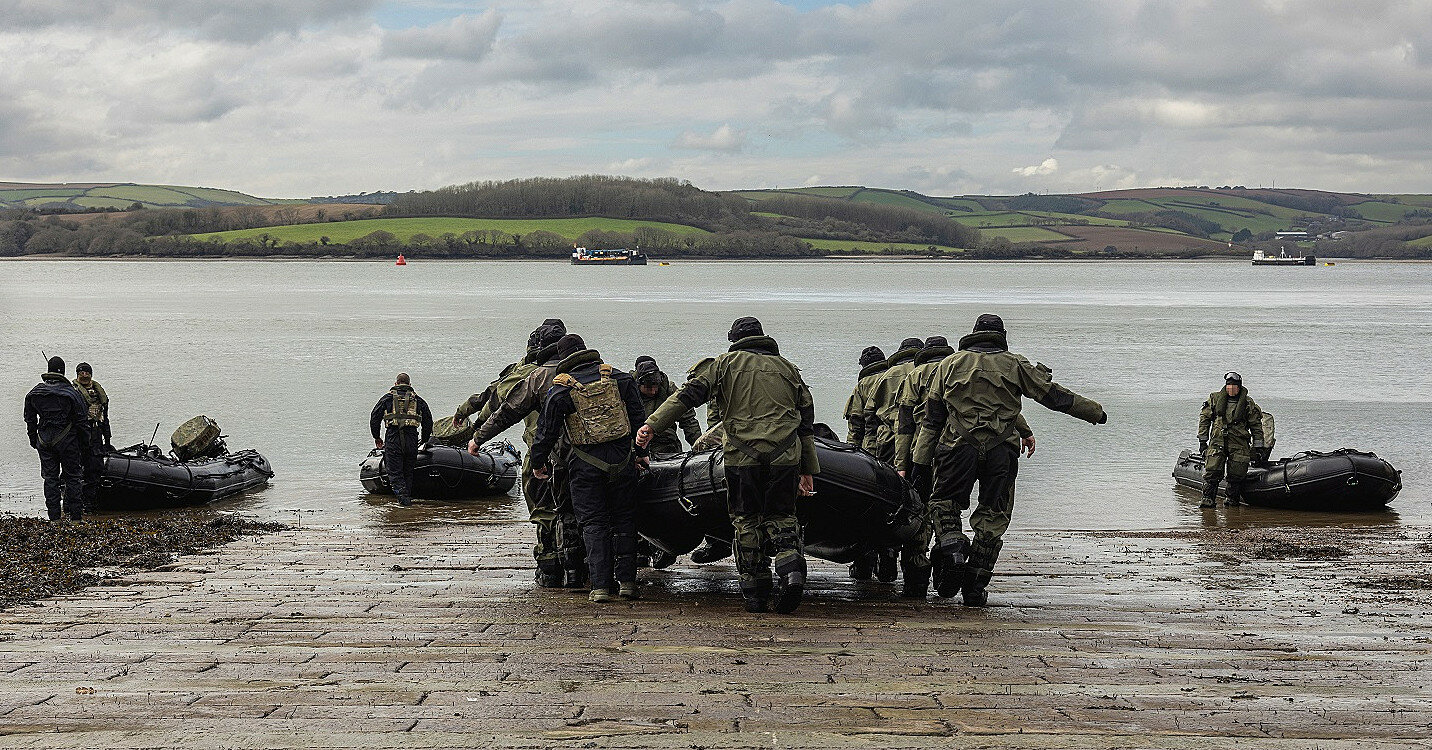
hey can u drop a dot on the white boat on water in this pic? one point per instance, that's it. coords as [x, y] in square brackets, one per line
[1261, 258]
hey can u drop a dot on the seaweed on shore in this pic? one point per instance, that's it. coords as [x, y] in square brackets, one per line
[44, 558]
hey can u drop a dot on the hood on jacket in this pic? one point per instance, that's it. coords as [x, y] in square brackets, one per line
[758, 344]
[985, 342]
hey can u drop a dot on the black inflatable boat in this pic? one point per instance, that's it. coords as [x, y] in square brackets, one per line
[1343, 480]
[860, 503]
[142, 477]
[444, 472]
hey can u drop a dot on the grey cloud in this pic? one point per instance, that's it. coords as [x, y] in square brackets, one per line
[466, 38]
[227, 20]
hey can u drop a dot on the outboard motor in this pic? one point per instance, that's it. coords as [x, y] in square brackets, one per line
[198, 438]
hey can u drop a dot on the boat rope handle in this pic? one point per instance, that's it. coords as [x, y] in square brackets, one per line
[681, 500]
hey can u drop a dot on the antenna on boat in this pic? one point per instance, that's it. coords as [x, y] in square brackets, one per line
[155, 435]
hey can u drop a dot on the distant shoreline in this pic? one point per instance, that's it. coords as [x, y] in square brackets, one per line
[657, 262]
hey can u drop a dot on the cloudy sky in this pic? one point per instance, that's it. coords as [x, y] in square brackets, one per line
[291, 98]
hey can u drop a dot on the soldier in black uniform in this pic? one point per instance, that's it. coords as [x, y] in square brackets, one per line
[57, 419]
[403, 412]
[599, 409]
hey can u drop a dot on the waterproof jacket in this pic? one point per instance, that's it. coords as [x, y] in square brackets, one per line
[768, 413]
[585, 367]
[97, 407]
[385, 404]
[55, 412]
[480, 406]
[1230, 422]
[884, 404]
[713, 410]
[976, 395]
[913, 393]
[523, 400]
[856, 404]
[667, 441]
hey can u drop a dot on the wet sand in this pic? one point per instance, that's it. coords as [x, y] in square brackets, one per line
[425, 635]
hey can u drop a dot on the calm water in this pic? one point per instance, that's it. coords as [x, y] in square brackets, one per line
[290, 356]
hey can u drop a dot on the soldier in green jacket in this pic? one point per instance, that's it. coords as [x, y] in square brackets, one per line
[656, 388]
[883, 404]
[970, 434]
[509, 401]
[915, 556]
[881, 409]
[769, 453]
[1230, 436]
[872, 363]
[99, 432]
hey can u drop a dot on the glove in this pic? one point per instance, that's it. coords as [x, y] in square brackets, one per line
[1260, 455]
[1103, 417]
[1203, 446]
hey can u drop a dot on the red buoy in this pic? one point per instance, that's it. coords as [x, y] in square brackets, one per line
[401, 261]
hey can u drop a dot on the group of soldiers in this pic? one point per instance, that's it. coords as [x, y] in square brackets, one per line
[948, 418]
[589, 426]
[68, 424]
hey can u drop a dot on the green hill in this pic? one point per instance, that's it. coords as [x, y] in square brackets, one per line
[406, 228]
[1149, 218]
[119, 195]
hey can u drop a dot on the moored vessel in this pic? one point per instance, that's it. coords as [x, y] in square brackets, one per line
[581, 256]
[1261, 258]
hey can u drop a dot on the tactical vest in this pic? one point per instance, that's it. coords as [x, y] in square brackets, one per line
[404, 410]
[91, 396]
[601, 414]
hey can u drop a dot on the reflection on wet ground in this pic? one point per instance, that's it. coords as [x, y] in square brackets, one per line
[1250, 516]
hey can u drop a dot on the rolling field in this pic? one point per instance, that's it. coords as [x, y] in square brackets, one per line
[120, 195]
[876, 247]
[1028, 234]
[347, 231]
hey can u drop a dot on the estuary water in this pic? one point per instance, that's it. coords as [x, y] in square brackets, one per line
[290, 357]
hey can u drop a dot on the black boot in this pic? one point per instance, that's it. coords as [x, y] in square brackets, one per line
[576, 578]
[404, 500]
[1209, 501]
[710, 551]
[660, 559]
[975, 595]
[887, 566]
[788, 597]
[550, 577]
[1235, 497]
[757, 596]
[917, 582]
[951, 562]
[863, 568]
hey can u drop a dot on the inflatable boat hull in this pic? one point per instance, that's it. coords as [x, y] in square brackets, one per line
[140, 478]
[860, 504]
[1344, 480]
[446, 473]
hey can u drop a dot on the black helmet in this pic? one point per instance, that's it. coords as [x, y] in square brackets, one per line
[934, 341]
[870, 355]
[911, 343]
[744, 327]
[989, 322]
[57, 365]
